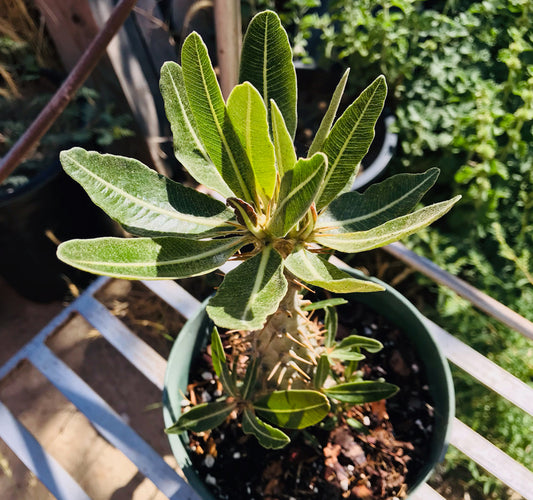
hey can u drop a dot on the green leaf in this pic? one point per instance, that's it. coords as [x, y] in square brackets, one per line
[294, 409]
[166, 257]
[283, 146]
[268, 436]
[141, 200]
[331, 323]
[321, 372]
[297, 193]
[249, 378]
[219, 363]
[188, 146]
[203, 417]
[250, 293]
[323, 304]
[266, 62]
[329, 117]
[388, 232]
[381, 202]
[361, 392]
[249, 118]
[214, 125]
[349, 140]
[360, 342]
[317, 271]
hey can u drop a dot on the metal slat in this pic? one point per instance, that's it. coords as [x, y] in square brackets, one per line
[483, 369]
[481, 300]
[175, 296]
[151, 364]
[426, 492]
[491, 458]
[35, 458]
[111, 426]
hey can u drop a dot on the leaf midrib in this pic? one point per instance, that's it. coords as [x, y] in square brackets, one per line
[182, 260]
[345, 144]
[205, 221]
[376, 212]
[188, 123]
[220, 131]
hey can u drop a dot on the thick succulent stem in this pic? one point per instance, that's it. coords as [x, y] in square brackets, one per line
[288, 345]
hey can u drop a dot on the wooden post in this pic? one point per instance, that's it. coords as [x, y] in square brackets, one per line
[229, 40]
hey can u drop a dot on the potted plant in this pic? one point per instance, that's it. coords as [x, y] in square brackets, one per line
[281, 214]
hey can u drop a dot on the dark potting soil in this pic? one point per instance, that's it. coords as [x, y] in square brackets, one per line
[372, 451]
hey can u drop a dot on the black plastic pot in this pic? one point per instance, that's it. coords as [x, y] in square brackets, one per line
[390, 304]
[49, 207]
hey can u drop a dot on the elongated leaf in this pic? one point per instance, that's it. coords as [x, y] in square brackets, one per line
[219, 363]
[188, 146]
[141, 200]
[360, 342]
[250, 293]
[323, 304]
[249, 378]
[386, 233]
[331, 324]
[297, 193]
[266, 62]
[249, 118]
[329, 117]
[214, 125]
[361, 392]
[203, 417]
[317, 271]
[381, 202]
[268, 436]
[145, 258]
[349, 140]
[346, 354]
[322, 371]
[295, 409]
[283, 146]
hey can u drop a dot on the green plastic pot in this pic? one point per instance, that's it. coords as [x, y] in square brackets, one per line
[390, 304]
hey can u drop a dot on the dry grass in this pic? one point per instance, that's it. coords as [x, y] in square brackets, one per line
[21, 22]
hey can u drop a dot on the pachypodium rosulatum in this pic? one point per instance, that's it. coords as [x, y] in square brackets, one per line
[281, 216]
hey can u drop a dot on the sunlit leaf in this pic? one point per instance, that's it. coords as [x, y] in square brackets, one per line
[381, 202]
[203, 417]
[349, 140]
[268, 436]
[295, 409]
[214, 125]
[297, 193]
[166, 257]
[358, 393]
[329, 117]
[323, 304]
[219, 363]
[321, 372]
[331, 323]
[248, 115]
[388, 232]
[283, 146]
[250, 293]
[188, 146]
[141, 200]
[317, 271]
[266, 62]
